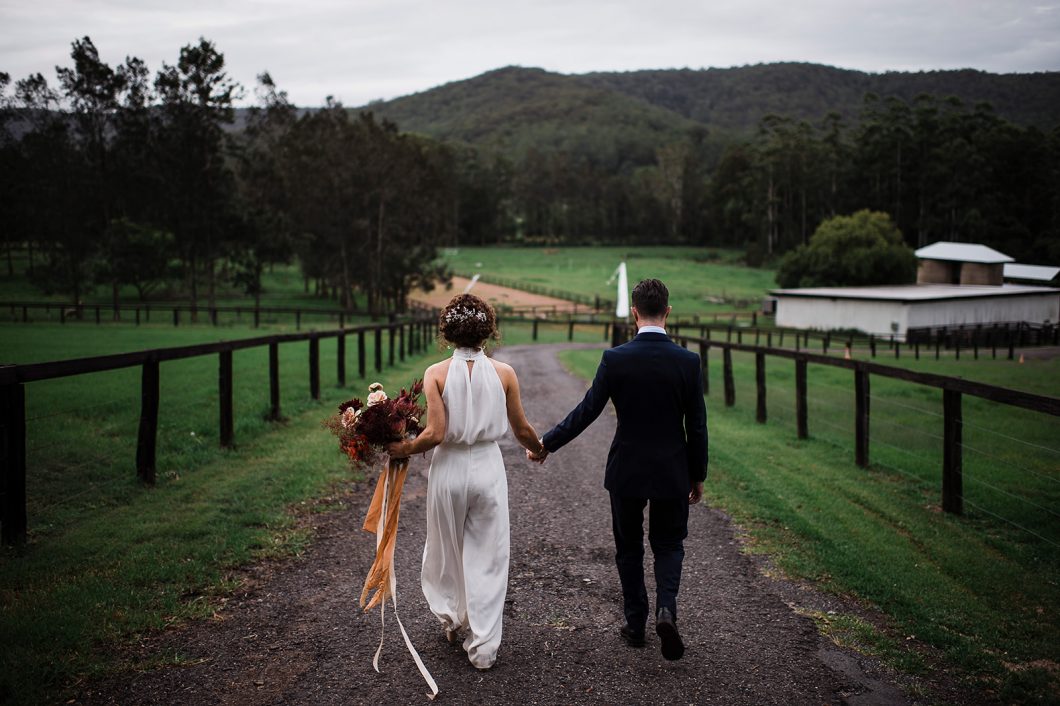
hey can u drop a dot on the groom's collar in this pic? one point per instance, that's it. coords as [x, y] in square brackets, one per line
[651, 329]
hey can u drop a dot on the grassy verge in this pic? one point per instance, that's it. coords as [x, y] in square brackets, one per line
[980, 588]
[701, 280]
[108, 558]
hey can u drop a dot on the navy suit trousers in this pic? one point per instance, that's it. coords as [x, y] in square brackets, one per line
[667, 529]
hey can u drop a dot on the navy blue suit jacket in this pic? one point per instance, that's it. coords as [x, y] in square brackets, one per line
[660, 446]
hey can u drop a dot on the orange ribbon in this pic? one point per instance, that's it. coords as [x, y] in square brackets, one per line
[382, 520]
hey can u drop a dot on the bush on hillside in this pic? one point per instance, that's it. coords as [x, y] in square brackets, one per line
[865, 248]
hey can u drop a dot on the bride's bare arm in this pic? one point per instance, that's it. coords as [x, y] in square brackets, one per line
[523, 430]
[434, 430]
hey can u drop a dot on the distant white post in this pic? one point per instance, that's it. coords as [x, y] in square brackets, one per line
[472, 283]
[622, 296]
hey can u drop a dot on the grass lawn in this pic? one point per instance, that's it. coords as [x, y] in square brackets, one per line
[697, 277]
[283, 286]
[980, 588]
[108, 558]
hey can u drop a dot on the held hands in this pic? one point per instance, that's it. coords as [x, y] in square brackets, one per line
[537, 457]
[696, 494]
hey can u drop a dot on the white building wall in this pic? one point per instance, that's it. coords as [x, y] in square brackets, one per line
[870, 316]
[957, 312]
[882, 317]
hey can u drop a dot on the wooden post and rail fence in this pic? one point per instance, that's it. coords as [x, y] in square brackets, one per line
[408, 337]
[953, 389]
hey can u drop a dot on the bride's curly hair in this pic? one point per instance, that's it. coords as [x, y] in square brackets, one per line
[467, 321]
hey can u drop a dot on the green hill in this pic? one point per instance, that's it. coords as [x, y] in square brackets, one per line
[737, 98]
[620, 118]
[513, 110]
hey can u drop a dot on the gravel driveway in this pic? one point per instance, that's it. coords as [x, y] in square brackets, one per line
[295, 635]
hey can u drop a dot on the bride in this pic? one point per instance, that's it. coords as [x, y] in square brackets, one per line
[471, 401]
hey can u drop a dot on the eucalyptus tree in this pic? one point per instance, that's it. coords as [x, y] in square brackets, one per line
[197, 97]
[264, 228]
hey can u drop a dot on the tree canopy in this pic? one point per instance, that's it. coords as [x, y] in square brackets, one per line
[865, 248]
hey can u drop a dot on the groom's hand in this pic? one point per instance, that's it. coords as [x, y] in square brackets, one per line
[537, 458]
[696, 493]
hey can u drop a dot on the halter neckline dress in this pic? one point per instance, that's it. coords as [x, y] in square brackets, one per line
[465, 558]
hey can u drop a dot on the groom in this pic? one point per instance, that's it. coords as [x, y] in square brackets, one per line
[658, 458]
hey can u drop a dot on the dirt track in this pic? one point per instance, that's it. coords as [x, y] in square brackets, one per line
[493, 293]
[295, 634]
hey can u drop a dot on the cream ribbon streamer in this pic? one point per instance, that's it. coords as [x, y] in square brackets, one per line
[385, 508]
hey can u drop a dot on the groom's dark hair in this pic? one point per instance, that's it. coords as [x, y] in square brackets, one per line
[651, 297]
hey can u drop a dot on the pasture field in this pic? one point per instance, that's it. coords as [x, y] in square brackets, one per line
[108, 558]
[701, 280]
[979, 589]
[283, 287]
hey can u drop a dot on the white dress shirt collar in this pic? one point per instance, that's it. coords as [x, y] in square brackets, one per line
[651, 329]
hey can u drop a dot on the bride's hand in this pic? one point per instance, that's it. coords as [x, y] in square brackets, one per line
[396, 449]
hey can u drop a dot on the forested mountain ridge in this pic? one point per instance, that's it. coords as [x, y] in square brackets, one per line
[513, 108]
[738, 98]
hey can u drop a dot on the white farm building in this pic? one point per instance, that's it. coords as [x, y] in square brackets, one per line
[958, 284]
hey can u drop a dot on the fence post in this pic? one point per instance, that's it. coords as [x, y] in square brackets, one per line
[534, 336]
[224, 384]
[257, 316]
[760, 383]
[952, 481]
[147, 438]
[607, 330]
[137, 316]
[378, 349]
[401, 342]
[361, 363]
[274, 381]
[341, 361]
[390, 356]
[176, 316]
[800, 398]
[730, 388]
[570, 330]
[62, 315]
[314, 367]
[97, 314]
[13, 466]
[704, 349]
[861, 417]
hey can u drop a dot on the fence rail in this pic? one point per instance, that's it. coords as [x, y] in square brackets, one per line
[403, 338]
[141, 312]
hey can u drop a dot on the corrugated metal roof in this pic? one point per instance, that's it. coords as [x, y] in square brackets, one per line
[962, 252]
[1040, 273]
[915, 292]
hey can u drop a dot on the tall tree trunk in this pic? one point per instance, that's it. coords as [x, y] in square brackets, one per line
[378, 284]
[211, 282]
[194, 285]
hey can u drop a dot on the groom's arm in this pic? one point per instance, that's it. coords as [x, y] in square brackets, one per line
[584, 414]
[696, 430]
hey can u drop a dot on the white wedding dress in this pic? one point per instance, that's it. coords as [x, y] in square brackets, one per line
[465, 559]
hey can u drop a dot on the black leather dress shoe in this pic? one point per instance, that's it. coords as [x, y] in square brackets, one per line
[666, 629]
[631, 636]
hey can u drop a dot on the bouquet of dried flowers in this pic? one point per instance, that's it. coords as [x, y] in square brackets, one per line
[364, 428]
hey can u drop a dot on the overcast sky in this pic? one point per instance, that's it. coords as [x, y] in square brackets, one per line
[359, 50]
